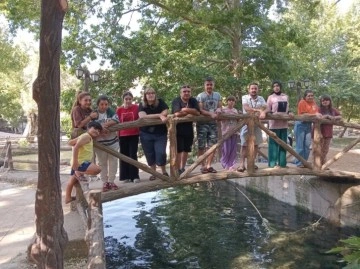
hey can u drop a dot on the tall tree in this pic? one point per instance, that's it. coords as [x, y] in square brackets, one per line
[48, 249]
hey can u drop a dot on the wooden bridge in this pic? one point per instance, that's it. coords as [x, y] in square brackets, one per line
[189, 177]
[91, 209]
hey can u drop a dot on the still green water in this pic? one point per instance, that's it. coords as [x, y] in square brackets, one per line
[215, 226]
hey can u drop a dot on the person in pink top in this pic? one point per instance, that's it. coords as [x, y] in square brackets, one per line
[129, 138]
[277, 103]
[229, 147]
[327, 112]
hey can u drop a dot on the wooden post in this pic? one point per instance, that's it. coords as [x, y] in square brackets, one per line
[95, 232]
[173, 147]
[317, 146]
[8, 157]
[251, 145]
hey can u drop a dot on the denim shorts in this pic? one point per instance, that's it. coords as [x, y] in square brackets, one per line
[207, 135]
[82, 168]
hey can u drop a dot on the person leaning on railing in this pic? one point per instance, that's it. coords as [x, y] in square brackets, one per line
[330, 113]
[153, 138]
[306, 106]
[277, 103]
[81, 114]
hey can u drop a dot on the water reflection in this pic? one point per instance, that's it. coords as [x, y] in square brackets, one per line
[213, 226]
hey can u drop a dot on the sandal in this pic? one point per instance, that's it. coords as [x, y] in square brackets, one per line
[204, 170]
[106, 187]
[241, 169]
[113, 186]
[211, 170]
[152, 178]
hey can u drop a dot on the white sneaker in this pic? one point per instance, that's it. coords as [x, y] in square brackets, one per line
[136, 180]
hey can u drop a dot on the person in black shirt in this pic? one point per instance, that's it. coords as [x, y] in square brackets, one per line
[153, 138]
[184, 106]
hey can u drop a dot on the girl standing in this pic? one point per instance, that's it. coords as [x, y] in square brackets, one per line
[129, 138]
[107, 162]
[81, 114]
[229, 148]
[327, 112]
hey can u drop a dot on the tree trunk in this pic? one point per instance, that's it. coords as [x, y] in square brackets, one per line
[48, 249]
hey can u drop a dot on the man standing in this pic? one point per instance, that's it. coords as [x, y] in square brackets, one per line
[184, 106]
[251, 103]
[277, 103]
[209, 101]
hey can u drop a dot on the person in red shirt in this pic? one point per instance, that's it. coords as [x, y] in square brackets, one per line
[129, 138]
[327, 112]
[306, 106]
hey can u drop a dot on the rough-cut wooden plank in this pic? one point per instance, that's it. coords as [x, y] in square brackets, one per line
[250, 144]
[340, 154]
[173, 147]
[316, 147]
[95, 233]
[285, 146]
[8, 157]
[223, 175]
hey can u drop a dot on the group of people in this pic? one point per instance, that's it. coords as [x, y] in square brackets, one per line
[93, 124]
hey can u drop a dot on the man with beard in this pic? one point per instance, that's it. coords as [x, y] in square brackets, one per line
[209, 101]
[251, 103]
[184, 106]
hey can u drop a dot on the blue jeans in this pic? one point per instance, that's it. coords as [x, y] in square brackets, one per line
[303, 140]
[154, 146]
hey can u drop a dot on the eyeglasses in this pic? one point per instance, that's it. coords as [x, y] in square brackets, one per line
[185, 87]
[148, 93]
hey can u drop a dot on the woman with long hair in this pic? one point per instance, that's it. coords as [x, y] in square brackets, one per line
[154, 137]
[330, 113]
[81, 113]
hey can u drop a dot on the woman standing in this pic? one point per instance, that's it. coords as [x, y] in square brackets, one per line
[306, 106]
[81, 114]
[107, 162]
[154, 138]
[129, 138]
[327, 112]
[229, 147]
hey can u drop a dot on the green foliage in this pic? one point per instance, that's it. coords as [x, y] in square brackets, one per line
[12, 61]
[350, 251]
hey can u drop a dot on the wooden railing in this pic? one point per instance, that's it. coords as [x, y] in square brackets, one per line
[94, 206]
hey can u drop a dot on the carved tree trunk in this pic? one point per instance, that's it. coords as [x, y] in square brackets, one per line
[51, 238]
